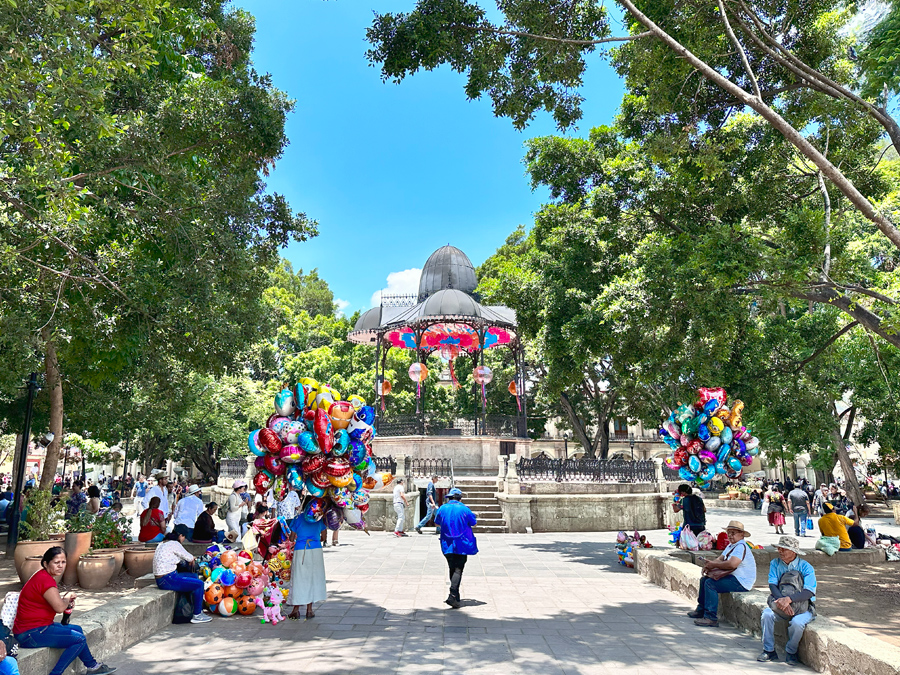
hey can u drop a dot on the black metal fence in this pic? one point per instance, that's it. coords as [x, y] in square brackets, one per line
[433, 425]
[426, 467]
[232, 468]
[544, 467]
[386, 464]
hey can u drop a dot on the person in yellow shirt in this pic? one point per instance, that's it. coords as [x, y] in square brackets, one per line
[835, 525]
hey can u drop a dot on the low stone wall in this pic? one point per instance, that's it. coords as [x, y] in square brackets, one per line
[584, 512]
[896, 505]
[827, 646]
[109, 628]
[468, 452]
[381, 515]
[746, 505]
[550, 487]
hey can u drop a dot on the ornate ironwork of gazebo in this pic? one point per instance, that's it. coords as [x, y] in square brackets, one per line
[445, 318]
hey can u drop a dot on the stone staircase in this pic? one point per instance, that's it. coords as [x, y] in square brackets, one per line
[479, 496]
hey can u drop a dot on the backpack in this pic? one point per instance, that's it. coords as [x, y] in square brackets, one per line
[222, 511]
[790, 582]
[184, 608]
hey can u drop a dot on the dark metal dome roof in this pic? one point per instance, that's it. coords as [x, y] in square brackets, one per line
[450, 303]
[448, 267]
[369, 320]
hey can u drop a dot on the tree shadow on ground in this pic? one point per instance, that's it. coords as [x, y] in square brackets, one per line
[585, 552]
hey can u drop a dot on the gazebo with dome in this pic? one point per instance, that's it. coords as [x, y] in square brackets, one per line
[447, 318]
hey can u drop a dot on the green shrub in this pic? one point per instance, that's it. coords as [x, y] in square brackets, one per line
[42, 518]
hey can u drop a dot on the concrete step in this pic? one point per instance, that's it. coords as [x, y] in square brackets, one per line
[486, 508]
[490, 521]
[481, 529]
[481, 499]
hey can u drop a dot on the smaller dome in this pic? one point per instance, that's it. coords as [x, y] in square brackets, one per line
[448, 267]
[450, 302]
[369, 320]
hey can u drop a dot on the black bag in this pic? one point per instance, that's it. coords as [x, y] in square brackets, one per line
[9, 640]
[184, 608]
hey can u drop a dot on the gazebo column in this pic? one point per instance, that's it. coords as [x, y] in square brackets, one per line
[378, 381]
[481, 335]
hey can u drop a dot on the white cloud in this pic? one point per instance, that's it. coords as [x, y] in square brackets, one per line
[341, 305]
[398, 283]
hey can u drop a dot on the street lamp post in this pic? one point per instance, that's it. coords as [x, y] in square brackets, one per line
[12, 538]
[566, 443]
[631, 442]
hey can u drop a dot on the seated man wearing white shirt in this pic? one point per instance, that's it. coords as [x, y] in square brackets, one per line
[187, 510]
[732, 572]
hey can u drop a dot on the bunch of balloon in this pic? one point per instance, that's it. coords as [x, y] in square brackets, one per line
[708, 438]
[320, 446]
[231, 580]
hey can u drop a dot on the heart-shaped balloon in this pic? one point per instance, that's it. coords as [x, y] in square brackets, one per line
[313, 464]
[323, 430]
[269, 440]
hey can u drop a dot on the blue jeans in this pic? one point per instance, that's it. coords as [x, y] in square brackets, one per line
[69, 638]
[9, 666]
[155, 539]
[800, 516]
[795, 630]
[709, 594]
[184, 583]
[428, 514]
[188, 532]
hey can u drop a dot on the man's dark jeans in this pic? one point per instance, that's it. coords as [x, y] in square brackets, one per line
[456, 564]
[709, 594]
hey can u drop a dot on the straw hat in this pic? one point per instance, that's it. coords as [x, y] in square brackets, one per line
[737, 525]
[193, 489]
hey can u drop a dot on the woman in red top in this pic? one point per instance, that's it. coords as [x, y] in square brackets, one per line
[153, 523]
[39, 603]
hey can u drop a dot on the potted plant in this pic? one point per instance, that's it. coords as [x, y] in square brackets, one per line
[95, 571]
[78, 542]
[35, 529]
[109, 536]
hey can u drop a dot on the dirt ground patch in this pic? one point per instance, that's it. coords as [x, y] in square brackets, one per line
[866, 598]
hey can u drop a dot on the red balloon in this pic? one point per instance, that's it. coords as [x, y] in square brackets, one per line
[319, 479]
[337, 467]
[243, 580]
[362, 507]
[263, 481]
[324, 430]
[274, 465]
[313, 464]
[270, 440]
[694, 447]
[681, 457]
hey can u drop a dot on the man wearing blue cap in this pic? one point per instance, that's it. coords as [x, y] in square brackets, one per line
[456, 520]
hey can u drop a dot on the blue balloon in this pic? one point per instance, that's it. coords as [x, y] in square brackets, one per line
[686, 474]
[720, 467]
[307, 443]
[694, 464]
[707, 473]
[253, 444]
[357, 452]
[710, 406]
[734, 463]
[295, 476]
[371, 469]
[228, 576]
[366, 414]
[727, 435]
[703, 433]
[724, 451]
[341, 443]
[313, 489]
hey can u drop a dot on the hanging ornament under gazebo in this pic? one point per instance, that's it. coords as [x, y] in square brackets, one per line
[417, 373]
[384, 389]
[483, 376]
[449, 354]
[514, 390]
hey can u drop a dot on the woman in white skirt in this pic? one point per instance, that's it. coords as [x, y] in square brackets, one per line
[308, 566]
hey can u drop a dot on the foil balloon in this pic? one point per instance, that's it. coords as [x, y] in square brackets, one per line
[315, 510]
[357, 482]
[307, 443]
[341, 481]
[681, 457]
[341, 443]
[341, 412]
[671, 463]
[752, 443]
[260, 463]
[290, 454]
[746, 459]
[357, 453]
[707, 457]
[313, 489]
[686, 474]
[754, 451]
[320, 479]
[326, 398]
[313, 464]
[727, 435]
[294, 477]
[274, 465]
[483, 375]
[284, 403]
[333, 518]
[324, 430]
[720, 468]
[694, 463]
[262, 481]
[706, 394]
[694, 447]
[337, 466]
[716, 426]
[734, 463]
[683, 413]
[703, 433]
[713, 443]
[253, 443]
[278, 424]
[707, 473]
[340, 496]
[291, 432]
[270, 440]
[352, 516]
[360, 497]
[356, 401]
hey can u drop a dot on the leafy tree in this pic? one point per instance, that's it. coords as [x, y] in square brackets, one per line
[134, 224]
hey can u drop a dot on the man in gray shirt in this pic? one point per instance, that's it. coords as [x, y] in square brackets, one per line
[798, 505]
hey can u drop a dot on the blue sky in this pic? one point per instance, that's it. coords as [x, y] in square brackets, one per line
[392, 172]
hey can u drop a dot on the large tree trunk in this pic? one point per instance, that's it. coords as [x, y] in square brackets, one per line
[578, 426]
[54, 385]
[851, 485]
[603, 436]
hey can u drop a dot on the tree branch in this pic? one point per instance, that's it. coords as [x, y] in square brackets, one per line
[568, 41]
[740, 49]
[834, 338]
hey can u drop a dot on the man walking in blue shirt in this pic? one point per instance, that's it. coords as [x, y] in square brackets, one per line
[456, 520]
[430, 504]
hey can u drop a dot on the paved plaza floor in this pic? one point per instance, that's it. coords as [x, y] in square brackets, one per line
[543, 603]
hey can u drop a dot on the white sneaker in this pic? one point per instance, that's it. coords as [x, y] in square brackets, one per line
[201, 618]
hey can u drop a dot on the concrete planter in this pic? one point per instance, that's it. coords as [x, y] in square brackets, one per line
[117, 553]
[139, 561]
[27, 549]
[95, 571]
[77, 544]
[31, 565]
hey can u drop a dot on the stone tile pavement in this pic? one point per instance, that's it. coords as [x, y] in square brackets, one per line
[548, 604]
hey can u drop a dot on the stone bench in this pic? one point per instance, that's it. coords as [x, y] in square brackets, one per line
[110, 628]
[827, 646]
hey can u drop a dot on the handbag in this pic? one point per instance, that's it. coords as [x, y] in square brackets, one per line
[809, 523]
[250, 540]
[184, 608]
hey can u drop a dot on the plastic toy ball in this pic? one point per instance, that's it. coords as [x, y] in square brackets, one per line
[232, 592]
[246, 605]
[227, 578]
[214, 594]
[228, 606]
